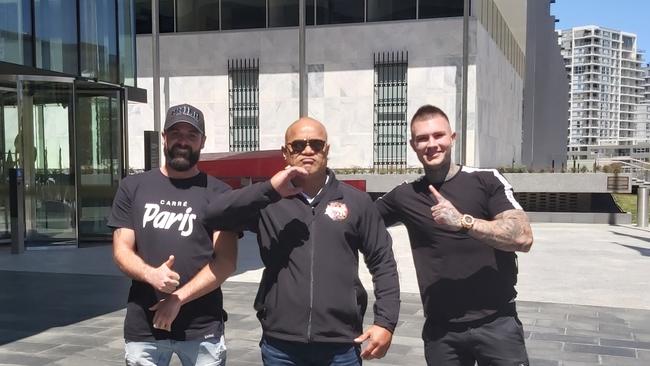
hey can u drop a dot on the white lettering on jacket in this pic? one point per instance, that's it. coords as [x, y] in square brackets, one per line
[165, 219]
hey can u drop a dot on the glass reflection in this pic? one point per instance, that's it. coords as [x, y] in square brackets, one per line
[45, 157]
[380, 10]
[284, 13]
[16, 32]
[98, 36]
[98, 159]
[8, 133]
[339, 11]
[197, 15]
[440, 8]
[56, 35]
[243, 14]
[126, 29]
[143, 16]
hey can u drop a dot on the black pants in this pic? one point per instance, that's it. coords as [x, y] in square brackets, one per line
[497, 342]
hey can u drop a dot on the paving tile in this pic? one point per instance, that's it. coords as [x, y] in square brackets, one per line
[561, 356]
[624, 343]
[26, 360]
[598, 334]
[643, 337]
[622, 361]
[84, 361]
[543, 362]
[28, 347]
[556, 334]
[600, 350]
[582, 325]
[551, 323]
[65, 350]
[539, 329]
[576, 363]
[615, 329]
[564, 338]
[643, 355]
[544, 345]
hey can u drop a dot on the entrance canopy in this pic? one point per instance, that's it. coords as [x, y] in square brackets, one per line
[242, 168]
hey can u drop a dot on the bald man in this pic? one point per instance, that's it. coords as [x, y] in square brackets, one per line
[310, 301]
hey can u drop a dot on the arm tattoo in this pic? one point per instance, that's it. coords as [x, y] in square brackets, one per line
[509, 231]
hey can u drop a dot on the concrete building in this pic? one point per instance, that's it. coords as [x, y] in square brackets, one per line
[643, 111]
[604, 69]
[371, 65]
[545, 89]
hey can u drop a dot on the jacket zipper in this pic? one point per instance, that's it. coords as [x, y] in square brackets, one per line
[311, 274]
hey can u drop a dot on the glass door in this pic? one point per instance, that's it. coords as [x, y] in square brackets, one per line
[44, 150]
[98, 135]
[8, 134]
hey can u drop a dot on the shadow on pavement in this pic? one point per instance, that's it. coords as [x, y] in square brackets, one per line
[642, 238]
[248, 254]
[643, 251]
[32, 302]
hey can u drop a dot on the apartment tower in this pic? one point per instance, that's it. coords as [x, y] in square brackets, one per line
[605, 74]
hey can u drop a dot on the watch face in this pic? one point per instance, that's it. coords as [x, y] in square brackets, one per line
[467, 221]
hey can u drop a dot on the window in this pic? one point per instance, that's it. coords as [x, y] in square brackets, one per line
[243, 14]
[441, 8]
[16, 32]
[143, 16]
[98, 40]
[390, 102]
[197, 15]
[339, 11]
[284, 13]
[126, 42]
[244, 111]
[379, 10]
[56, 35]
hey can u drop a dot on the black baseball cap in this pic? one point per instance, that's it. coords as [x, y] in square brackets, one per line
[185, 113]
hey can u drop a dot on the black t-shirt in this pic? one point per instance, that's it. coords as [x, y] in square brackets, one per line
[167, 217]
[460, 278]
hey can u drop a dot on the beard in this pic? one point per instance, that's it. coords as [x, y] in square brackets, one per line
[181, 158]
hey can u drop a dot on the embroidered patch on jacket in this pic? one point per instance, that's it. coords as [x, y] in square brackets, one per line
[337, 211]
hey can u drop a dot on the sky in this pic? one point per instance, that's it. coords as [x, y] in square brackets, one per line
[625, 15]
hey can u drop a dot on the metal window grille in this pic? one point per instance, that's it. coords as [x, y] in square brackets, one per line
[244, 110]
[390, 125]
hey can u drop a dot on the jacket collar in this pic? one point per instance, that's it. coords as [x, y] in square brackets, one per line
[330, 192]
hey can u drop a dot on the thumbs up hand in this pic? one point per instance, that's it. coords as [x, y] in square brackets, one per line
[163, 278]
[444, 213]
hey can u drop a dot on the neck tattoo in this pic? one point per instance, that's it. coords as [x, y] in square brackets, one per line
[445, 173]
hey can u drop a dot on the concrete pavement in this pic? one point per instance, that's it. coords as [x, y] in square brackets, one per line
[584, 300]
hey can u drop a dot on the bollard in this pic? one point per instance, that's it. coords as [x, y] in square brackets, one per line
[642, 207]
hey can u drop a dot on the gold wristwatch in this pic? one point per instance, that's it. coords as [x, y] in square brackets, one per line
[466, 222]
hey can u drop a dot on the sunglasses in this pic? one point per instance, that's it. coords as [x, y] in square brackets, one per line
[298, 146]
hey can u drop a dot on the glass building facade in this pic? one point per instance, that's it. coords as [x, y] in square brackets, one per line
[210, 15]
[67, 70]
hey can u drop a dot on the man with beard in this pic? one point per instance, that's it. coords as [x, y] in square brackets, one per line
[177, 264]
[464, 226]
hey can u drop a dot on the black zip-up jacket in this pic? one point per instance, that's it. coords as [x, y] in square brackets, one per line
[310, 290]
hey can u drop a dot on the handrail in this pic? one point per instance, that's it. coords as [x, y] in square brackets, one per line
[641, 172]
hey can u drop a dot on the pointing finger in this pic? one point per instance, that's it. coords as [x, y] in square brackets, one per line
[436, 194]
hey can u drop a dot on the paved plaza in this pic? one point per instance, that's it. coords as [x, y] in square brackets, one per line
[584, 299]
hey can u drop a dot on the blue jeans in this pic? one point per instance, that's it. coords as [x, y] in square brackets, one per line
[210, 352]
[276, 352]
